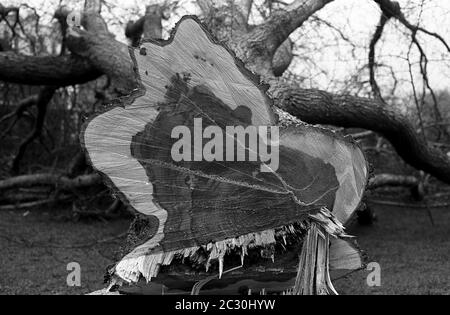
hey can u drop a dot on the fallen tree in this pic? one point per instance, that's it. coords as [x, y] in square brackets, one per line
[256, 46]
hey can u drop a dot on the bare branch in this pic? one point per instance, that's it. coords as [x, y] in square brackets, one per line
[43, 99]
[21, 107]
[17, 113]
[150, 25]
[97, 45]
[375, 38]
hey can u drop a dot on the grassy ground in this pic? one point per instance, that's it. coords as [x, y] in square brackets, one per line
[36, 249]
[414, 255]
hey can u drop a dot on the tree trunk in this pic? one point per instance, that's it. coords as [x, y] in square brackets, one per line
[208, 203]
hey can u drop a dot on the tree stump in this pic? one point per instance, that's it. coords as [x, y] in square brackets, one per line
[223, 183]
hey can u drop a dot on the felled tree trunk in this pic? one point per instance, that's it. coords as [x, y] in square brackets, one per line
[91, 57]
[206, 192]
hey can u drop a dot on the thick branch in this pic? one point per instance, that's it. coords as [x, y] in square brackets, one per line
[97, 45]
[372, 65]
[92, 20]
[109, 56]
[134, 30]
[282, 58]
[149, 25]
[49, 179]
[319, 107]
[48, 70]
[389, 8]
[380, 180]
[22, 106]
[258, 47]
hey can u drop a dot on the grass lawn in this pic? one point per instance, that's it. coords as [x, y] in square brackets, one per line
[414, 255]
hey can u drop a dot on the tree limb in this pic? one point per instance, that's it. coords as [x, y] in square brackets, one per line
[97, 45]
[150, 25]
[109, 56]
[372, 65]
[320, 107]
[91, 19]
[50, 179]
[42, 102]
[46, 70]
[258, 47]
[380, 180]
[18, 112]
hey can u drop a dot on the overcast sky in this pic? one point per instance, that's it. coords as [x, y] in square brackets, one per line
[324, 59]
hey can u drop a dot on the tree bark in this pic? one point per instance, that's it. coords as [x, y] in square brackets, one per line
[48, 70]
[150, 25]
[49, 179]
[257, 47]
[109, 56]
[320, 107]
[380, 180]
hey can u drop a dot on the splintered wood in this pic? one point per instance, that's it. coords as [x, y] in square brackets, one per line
[205, 209]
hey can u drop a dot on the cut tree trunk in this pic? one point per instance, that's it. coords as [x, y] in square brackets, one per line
[182, 153]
